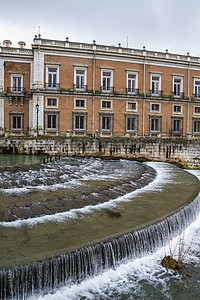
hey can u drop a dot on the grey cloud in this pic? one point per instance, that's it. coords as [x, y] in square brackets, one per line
[158, 24]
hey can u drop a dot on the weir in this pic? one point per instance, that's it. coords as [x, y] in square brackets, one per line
[76, 249]
[66, 269]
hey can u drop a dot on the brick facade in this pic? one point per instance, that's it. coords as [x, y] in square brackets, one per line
[67, 88]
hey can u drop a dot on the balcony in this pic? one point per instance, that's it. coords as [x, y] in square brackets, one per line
[52, 86]
[132, 91]
[80, 88]
[16, 91]
[156, 93]
[107, 89]
[178, 95]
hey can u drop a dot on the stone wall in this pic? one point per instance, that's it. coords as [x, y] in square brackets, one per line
[184, 151]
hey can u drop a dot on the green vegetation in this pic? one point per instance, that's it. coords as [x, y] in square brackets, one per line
[170, 263]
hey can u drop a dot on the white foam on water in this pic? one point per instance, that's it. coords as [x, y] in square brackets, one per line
[42, 187]
[164, 176]
[130, 277]
[57, 175]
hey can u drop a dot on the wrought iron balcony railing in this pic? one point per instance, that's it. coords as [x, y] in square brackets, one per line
[52, 86]
[80, 87]
[132, 91]
[156, 93]
[178, 95]
[16, 91]
[107, 89]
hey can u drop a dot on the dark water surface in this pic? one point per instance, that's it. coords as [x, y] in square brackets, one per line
[11, 160]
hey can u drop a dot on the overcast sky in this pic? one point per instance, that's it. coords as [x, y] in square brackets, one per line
[157, 24]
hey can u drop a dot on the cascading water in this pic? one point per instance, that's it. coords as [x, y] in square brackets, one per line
[66, 269]
[50, 274]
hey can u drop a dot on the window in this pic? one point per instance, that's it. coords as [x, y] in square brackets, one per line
[79, 121]
[52, 78]
[177, 109]
[17, 84]
[156, 86]
[132, 82]
[196, 126]
[106, 122]
[177, 125]
[106, 104]
[155, 124]
[16, 121]
[155, 107]
[52, 102]
[197, 88]
[107, 81]
[80, 79]
[51, 121]
[197, 109]
[178, 87]
[131, 106]
[79, 103]
[131, 123]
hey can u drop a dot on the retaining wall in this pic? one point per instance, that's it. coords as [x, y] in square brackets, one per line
[184, 151]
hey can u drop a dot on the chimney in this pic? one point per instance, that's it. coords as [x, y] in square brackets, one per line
[7, 43]
[21, 44]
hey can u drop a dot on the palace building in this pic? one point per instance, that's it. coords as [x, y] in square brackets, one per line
[69, 88]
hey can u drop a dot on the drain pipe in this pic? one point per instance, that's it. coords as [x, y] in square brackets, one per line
[143, 117]
[93, 85]
[144, 77]
[188, 92]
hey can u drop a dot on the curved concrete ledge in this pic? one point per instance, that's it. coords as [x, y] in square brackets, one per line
[89, 257]
[93, 225]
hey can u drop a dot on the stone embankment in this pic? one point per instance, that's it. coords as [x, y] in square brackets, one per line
[181, 151]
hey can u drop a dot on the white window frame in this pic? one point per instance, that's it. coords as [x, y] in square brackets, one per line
[196, 120]
[132, 116]
[51, 113]
[153, 117]
[196, 113]
[52, 66]
[80, 114]
[111, 81]
[106, 108]
[158, 75]
[17, 115]
[178, 77]
[127, 106]
[180, 131]
[176, 112]
[51, 106]
[155, 111]
[80, 68]
[13, 90]
[106, 115]
[196, 79]
[79, 107]
[135, 73]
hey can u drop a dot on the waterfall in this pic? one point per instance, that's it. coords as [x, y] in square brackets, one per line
[45, 276]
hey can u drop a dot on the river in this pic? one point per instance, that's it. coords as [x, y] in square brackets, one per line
[136, 278]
